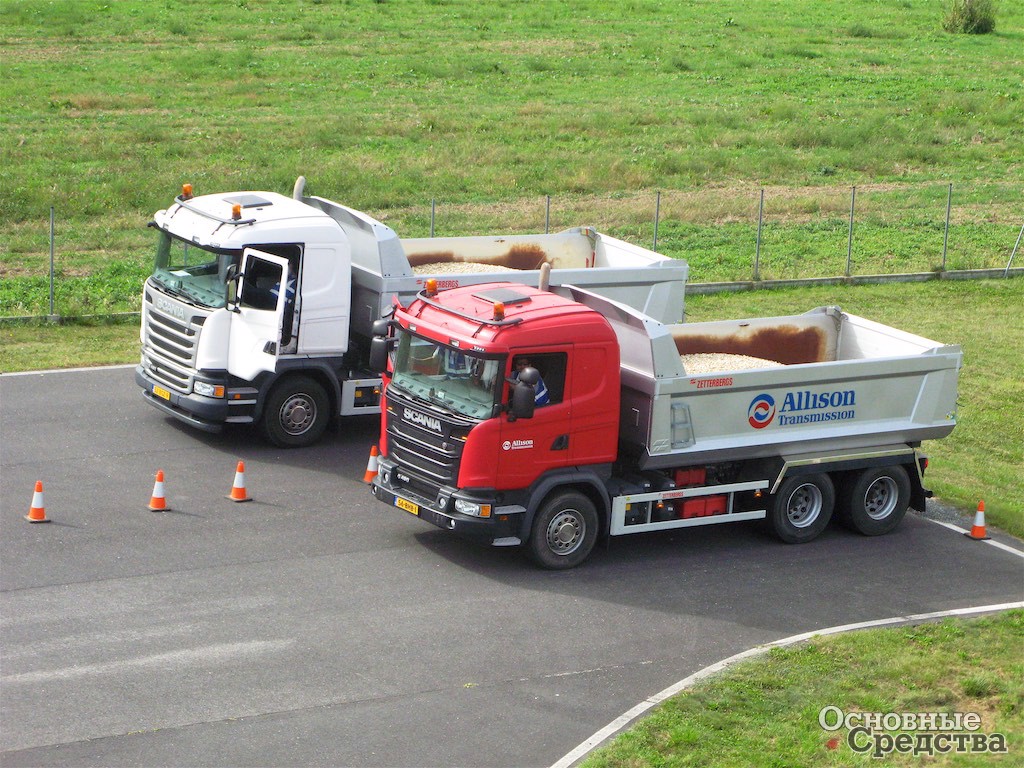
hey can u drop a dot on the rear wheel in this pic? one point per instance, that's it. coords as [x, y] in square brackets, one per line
[564, 531]
[877, 500]
[802, 508]
[296, 413]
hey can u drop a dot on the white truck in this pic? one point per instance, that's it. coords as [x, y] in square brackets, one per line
[260, 307]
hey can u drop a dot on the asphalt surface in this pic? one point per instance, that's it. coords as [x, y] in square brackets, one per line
[315, 626]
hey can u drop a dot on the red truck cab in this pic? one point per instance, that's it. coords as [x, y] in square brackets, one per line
[458, 453]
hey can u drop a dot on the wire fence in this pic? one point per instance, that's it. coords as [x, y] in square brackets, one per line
[775, 236]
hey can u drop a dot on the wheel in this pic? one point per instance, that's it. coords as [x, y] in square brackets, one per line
[802, 508]
[876, 501]
[296, 413]
[564, 531]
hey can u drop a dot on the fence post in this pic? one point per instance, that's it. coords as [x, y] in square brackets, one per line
[657, 216]
[432, 207]
[547, 216]
[849, 242]
[1013, 253]
[945, 236]
[757, 249]
[51, 260]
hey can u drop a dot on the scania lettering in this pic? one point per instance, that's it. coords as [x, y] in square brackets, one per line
[630, 441]
[260, 306]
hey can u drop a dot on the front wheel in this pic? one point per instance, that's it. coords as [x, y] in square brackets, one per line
[802, 508]
[564, 531]
[296, 413]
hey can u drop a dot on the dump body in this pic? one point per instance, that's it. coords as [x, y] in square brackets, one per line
[385, 266]
[839, 382]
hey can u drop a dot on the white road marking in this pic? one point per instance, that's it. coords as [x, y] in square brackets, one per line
[623, 720]
[185, 657]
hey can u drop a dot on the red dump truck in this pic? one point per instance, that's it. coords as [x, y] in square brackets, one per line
[552, 418]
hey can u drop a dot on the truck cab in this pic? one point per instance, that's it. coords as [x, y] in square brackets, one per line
[456, 449]
[246, 315]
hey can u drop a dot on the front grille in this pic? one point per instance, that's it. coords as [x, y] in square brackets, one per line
[429, 458]
[169, 349]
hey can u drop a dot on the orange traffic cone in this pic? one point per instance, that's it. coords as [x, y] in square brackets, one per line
[371, 466]
[238, 489]
[37, 512]
[978, 529]
[158, 502]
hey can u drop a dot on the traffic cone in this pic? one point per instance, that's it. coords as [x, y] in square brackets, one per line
[371, 466]
[158, 502]
[978, 529]
[238, 489]
[37, 512]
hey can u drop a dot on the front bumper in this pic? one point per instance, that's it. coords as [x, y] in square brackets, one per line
[205, 413]
[501, 529]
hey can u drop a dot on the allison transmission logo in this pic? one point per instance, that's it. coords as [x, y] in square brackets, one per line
[762, 411]
[802, 407]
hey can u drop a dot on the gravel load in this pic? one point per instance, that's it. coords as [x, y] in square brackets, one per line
[458, 267]
[715, 362]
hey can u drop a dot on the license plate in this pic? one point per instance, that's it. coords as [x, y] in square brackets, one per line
[162, 393]
[408, 506]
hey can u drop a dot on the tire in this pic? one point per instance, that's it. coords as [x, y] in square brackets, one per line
[564, 531]
[296, 413]
[876, 500]
[802, 508]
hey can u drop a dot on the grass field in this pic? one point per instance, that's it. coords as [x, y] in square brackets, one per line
[490, 107]
[765, 712]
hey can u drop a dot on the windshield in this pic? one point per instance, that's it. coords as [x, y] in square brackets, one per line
[195, 274]
[462, 382]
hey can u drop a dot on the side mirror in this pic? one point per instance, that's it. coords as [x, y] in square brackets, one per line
[380, 349]
[524, 393]
[381, 327]
[231, 280]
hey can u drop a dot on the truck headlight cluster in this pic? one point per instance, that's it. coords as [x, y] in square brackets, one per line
[208, 389]
[472, 508]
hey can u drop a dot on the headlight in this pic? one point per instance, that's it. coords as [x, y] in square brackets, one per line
[472, 508]
[208, 389]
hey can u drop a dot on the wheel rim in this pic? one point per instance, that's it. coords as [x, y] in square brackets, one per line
[881, 498]
[804, 505]
[565, 532]
[298, 413]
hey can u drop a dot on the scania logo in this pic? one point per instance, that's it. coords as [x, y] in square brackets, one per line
[169, 307]
[427, 422]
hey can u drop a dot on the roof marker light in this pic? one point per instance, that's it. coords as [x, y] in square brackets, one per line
[499, 310]
[186, 191]
[236, 211]
[431, 287]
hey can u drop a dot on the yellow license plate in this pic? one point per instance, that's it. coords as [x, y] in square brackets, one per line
[408, 506]
[161, 392]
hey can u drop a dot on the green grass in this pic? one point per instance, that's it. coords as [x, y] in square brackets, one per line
[765, 711]
[489, 107]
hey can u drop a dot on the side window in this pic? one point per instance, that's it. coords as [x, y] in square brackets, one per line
[261, 285]
[293, 253]
[551, 366]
